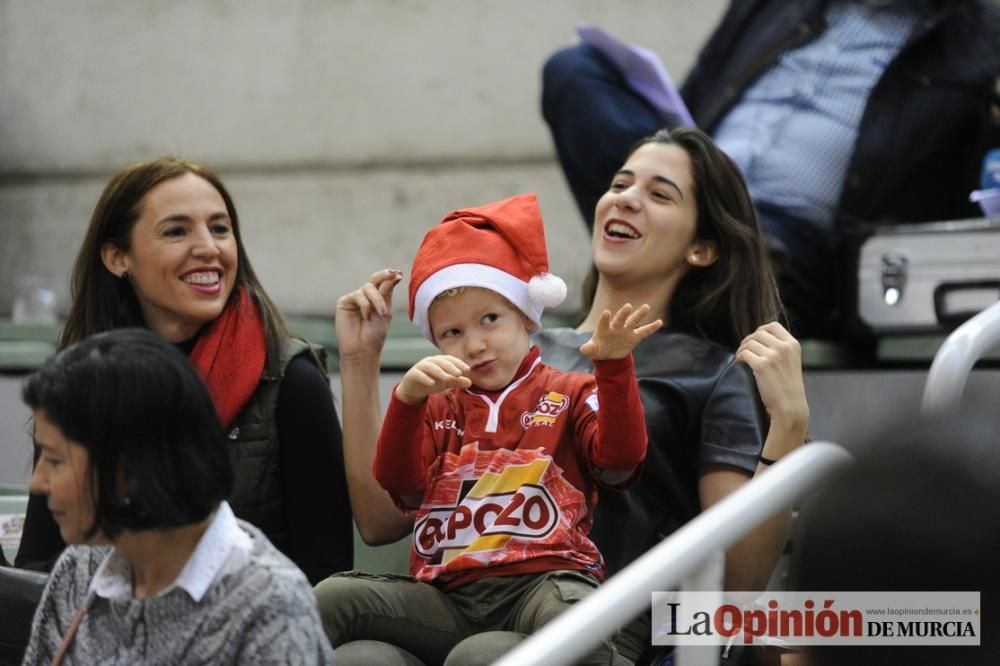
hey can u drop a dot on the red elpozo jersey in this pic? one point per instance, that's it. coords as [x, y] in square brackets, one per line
[510, 477]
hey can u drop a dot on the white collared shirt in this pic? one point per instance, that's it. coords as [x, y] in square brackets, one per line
[222, 549]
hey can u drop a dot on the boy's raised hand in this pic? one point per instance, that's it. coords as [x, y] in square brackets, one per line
[616, 336]
[430, 375]
[363, 315]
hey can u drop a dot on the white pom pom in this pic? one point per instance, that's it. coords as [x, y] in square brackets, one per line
[547, 290]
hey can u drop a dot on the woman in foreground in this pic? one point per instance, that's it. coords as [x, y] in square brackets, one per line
[134, 468]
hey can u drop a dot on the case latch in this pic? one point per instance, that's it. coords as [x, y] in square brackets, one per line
[894, 268]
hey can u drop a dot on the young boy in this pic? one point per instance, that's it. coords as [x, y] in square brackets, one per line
[496, 454]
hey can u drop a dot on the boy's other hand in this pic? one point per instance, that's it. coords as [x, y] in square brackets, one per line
[430, 375]
[616, 336]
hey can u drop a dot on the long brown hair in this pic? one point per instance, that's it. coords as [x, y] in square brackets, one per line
[728, 300]
[101, 301]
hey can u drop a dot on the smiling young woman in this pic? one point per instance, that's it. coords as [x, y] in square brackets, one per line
[163, 251]
[181, 259]
[677, 229]
[693, 248]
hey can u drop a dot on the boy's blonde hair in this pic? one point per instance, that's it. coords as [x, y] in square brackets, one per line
[447, 293]
[455, 291]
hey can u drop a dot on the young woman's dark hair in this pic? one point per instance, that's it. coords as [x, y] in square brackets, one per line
[101, 301]
[729, 299]
[157, 452]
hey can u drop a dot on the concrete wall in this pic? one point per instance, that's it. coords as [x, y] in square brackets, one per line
[345, 128]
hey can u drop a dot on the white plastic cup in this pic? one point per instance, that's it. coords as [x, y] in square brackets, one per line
[988, 200]
[34, 302]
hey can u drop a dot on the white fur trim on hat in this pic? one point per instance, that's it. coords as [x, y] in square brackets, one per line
[473, 275]
[547, 290]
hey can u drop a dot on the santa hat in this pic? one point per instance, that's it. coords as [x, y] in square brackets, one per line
[499, 246]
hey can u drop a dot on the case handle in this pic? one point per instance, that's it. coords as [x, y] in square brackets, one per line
[949, 318]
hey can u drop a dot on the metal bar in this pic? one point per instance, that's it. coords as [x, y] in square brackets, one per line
[709, 575]
[955, 358]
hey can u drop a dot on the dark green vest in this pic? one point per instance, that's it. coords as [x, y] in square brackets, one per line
[258, 490]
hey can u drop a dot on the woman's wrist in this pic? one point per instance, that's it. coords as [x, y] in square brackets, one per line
[791, 425]
[783, 438]
[365, 360]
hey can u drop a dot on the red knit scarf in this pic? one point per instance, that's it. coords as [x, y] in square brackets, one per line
[230, 355]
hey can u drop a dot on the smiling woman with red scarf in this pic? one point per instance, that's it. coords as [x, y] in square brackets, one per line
[163, 250]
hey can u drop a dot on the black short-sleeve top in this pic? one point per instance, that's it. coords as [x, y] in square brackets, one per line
[702, 408]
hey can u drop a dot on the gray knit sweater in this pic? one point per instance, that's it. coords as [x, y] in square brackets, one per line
[264, 613]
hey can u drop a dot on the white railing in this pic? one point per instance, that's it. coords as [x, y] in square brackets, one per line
[581, 628]
[956, 357]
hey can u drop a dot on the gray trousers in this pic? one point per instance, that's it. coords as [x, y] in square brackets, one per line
[394, 619]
